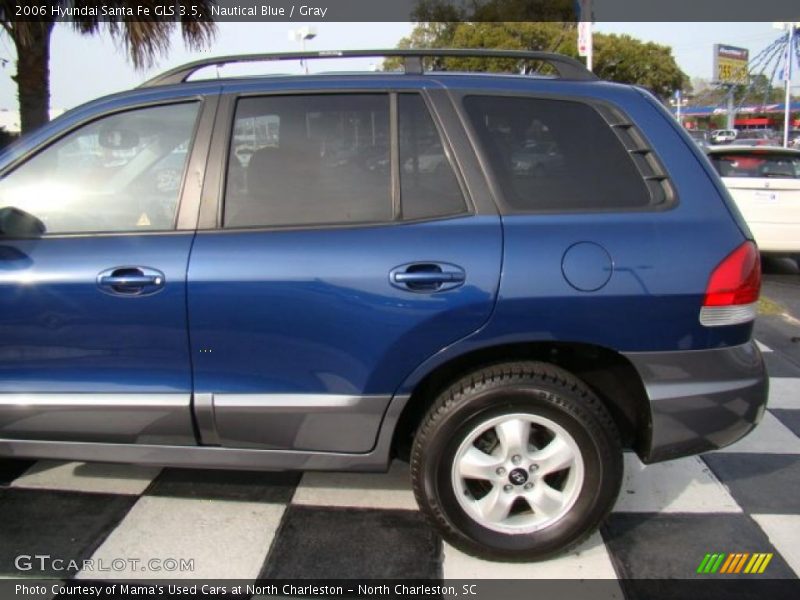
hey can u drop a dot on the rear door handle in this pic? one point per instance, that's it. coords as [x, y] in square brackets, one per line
[130, 281]
[427, 277]
[422, 277]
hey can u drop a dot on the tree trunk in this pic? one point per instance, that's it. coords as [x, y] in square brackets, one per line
[32, 41]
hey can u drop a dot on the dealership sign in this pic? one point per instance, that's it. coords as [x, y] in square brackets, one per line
[730, 64]
[763, 109]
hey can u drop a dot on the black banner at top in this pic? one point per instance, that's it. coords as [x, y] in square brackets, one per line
[402, 10]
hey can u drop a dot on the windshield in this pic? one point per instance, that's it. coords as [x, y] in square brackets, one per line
[757, 164]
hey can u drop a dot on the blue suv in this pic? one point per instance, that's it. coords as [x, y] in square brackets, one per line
[507, 280]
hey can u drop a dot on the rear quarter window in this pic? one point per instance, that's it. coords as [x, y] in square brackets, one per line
[555, 155]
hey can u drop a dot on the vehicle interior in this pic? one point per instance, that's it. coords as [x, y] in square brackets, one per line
[120, 173]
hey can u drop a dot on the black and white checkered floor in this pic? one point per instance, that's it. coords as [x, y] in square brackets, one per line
[242, 525]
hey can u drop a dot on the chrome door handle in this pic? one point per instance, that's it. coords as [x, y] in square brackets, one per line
[426, 277]
[130, 281]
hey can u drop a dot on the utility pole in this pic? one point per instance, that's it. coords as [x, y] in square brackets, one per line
[590, 51]
[731, 121]
[787, 78]
[585, 42]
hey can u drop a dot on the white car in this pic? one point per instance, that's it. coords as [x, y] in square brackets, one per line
[723, 136]
[765, 184]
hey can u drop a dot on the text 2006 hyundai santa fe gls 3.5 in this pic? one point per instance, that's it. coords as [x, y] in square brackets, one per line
[506, 279]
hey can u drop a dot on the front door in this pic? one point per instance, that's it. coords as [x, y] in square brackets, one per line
[93, 334]
[346, 255]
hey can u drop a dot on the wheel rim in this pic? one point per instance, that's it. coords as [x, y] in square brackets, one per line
[517, 473]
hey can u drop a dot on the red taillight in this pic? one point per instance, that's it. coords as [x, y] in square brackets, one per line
[737, 279]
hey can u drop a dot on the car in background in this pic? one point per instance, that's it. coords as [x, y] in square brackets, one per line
[759, 137]
[759, 142]
[765, 184]
[723, 136]
[747, 134]
[701, 136]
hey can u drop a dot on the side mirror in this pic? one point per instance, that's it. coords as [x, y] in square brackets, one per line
[18, 223]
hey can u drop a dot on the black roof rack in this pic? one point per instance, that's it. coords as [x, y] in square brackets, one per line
[566, 67]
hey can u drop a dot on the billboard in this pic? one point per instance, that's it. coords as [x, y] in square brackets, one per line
[730, 64]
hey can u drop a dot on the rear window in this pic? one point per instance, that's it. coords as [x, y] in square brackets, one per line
[757, 164]
[555, 155]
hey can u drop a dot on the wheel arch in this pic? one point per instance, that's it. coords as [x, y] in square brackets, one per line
[608, 373]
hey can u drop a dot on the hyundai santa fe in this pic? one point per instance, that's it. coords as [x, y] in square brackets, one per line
[325, 272]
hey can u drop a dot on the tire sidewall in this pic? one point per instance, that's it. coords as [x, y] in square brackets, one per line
[535, 399]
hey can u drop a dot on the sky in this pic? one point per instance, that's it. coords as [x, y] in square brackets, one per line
[83, 68]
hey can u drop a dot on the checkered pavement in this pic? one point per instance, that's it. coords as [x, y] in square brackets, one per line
[243, 525]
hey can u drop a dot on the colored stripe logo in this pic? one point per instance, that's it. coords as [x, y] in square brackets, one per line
[734, 563]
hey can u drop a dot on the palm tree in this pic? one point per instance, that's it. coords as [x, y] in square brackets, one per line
[144, 41]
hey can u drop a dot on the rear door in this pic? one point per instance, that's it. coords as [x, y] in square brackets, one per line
[345, 251]
[93, 255]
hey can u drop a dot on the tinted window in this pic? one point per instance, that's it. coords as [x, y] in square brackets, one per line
[428, 185]
[317, 159]
[555, 155]
[119, 173]
[759, 163]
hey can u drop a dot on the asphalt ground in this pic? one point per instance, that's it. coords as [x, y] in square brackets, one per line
[778, 323]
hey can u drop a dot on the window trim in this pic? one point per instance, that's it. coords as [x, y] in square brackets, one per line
[449, 155]
[182, 221]
[395, 184]
[213, 195]
[604, 109]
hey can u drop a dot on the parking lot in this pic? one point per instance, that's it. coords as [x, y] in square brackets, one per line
[243, 525]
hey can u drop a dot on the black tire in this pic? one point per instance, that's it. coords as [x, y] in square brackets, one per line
[530, 388]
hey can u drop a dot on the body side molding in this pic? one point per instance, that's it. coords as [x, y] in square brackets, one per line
[376, 460]
[117, 418]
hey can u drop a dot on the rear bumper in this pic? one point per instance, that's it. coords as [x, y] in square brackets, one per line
[700, 400]
[776, 237]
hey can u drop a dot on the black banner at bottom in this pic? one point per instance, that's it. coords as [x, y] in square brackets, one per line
[500, 589]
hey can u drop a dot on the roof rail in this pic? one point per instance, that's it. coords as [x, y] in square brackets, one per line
[566, 67]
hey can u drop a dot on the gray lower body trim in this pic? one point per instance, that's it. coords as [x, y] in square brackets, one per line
[700, 400]
[315, 422]
[203, 405]
[377, 459]
[117, 418]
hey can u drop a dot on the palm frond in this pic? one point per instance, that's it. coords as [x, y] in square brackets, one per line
[145, 41]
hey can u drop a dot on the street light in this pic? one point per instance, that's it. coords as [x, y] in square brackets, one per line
[301, 35]
[678, 102]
